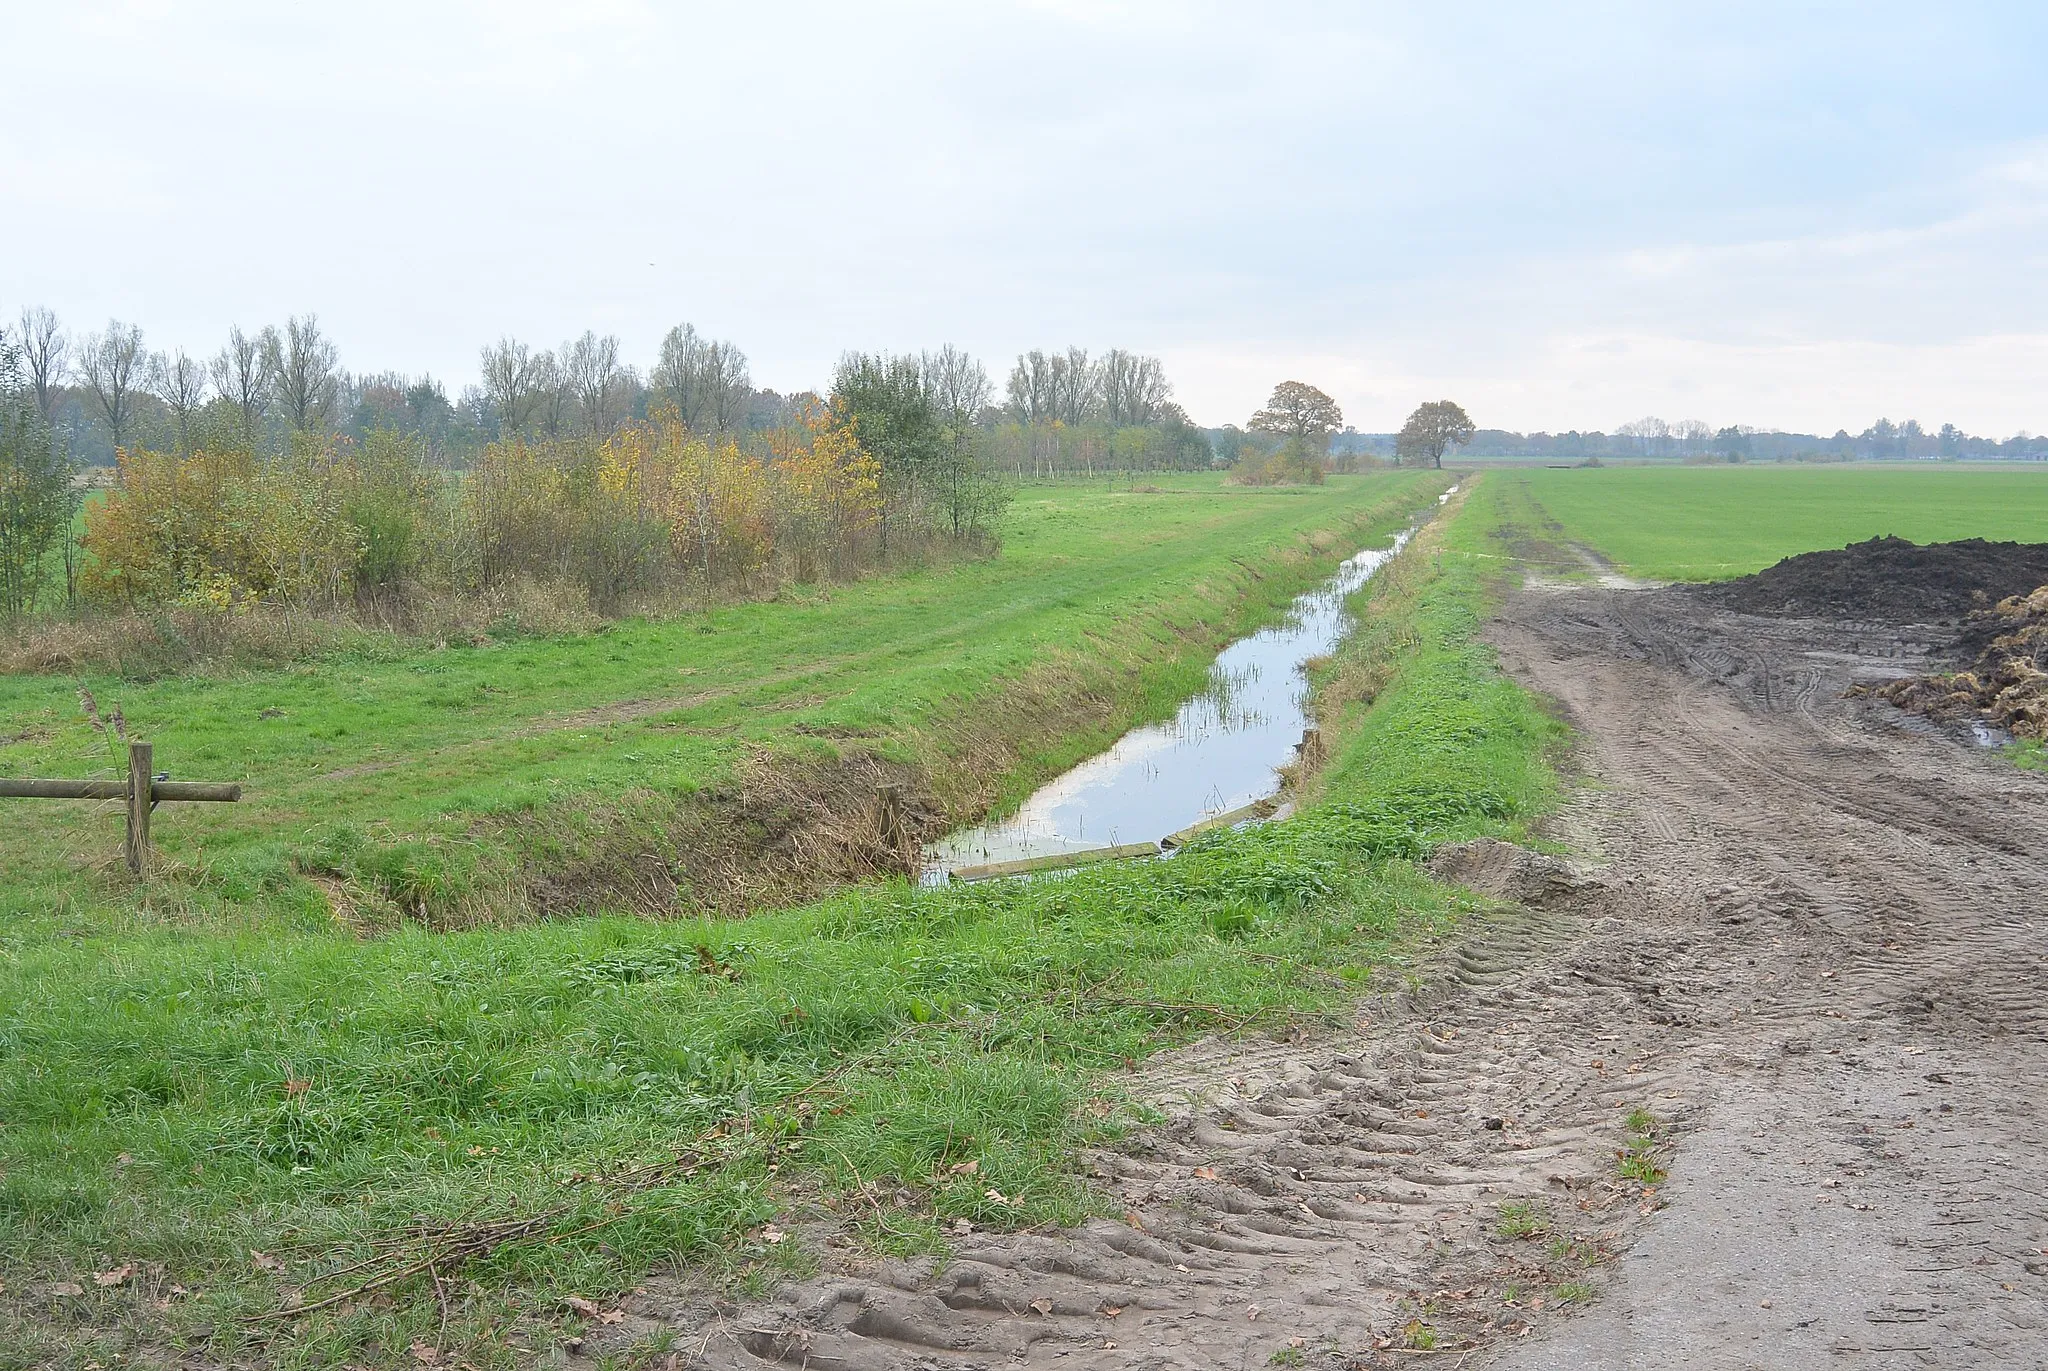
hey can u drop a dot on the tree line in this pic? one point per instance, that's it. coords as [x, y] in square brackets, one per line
[1695, 440]
[267, 473]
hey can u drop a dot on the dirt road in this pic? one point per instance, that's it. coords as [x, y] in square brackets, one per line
[1807, 938]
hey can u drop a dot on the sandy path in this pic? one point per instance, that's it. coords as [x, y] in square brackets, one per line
[1809, 940]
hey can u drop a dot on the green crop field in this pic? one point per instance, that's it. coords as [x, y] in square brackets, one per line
[1700, 523]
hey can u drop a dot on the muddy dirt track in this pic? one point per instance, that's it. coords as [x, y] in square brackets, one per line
[1806, 933]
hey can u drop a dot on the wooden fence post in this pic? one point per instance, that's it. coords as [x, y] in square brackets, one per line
[141, 776]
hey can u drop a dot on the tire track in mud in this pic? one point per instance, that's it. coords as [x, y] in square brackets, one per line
[1861, 1186]
[1815, 952]
[1320, 1199]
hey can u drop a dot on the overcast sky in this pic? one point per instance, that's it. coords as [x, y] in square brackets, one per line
[1562, 215]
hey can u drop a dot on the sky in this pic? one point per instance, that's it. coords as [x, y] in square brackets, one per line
[1566, 215]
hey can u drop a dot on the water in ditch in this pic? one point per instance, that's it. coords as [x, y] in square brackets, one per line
[1220, 752]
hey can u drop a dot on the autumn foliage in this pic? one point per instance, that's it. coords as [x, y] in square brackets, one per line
[653, 507]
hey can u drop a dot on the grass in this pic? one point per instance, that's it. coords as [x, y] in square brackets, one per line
[1521, 1219]
[1637, 1159]
[1713, 523]
[1572, 1292]
[480, 782]
[219, 1114]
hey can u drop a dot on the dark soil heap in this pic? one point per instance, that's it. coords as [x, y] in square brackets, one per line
[1889, 580]
[2008, 683]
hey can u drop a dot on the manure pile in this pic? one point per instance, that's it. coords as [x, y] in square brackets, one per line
[2006, 686]
[1995, 593]
[1889, 580]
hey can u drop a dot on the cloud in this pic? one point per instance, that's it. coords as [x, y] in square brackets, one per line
[1559, 209]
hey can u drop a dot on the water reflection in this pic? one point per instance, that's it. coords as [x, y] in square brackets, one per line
[1219, 753]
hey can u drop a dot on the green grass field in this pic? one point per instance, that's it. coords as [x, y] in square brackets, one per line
[440, 782]
[1713, 522]
[178, 1096]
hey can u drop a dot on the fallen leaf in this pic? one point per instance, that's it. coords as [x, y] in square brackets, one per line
[425, 1354]
[72, 1288]
[124, 1160]
[1180, 1268]
[264, 1261]
[1110, 1311]
[295, 1086]
[577, 1304]
[772, 1235]
[994, 1194]
[118, 1276]
[1297, 1342]
[1042, 1305]
[1205, 1173]
[1107, 1343]
[612, 1316]
[1131, 1218]
[1252, 1313]
[968, 1168]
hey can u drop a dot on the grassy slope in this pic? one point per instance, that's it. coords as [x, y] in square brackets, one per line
[428, 774]
[1710, 523]
[185, 1100]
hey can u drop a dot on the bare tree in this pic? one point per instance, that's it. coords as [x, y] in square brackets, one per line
[509, 378]
[1077, 397]
[241, 375]
[958, 386]
[731, 387]
[554, 398]
[1048, 387]
[1133, 389]
[1693, 435]
[113, 364]
[1033, 393]
[594, 375]
[180, 382]
[1648, 433]
[706, 380]
[303, 372]
[45, 353]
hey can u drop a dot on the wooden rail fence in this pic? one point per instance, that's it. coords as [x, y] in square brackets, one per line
[143, 790]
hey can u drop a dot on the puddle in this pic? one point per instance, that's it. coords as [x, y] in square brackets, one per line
[1987, 736]
[1221, 752]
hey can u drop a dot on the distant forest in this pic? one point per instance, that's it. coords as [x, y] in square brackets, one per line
[1692, 440]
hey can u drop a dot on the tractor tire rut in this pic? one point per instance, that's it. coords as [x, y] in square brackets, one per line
[1806, 934]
